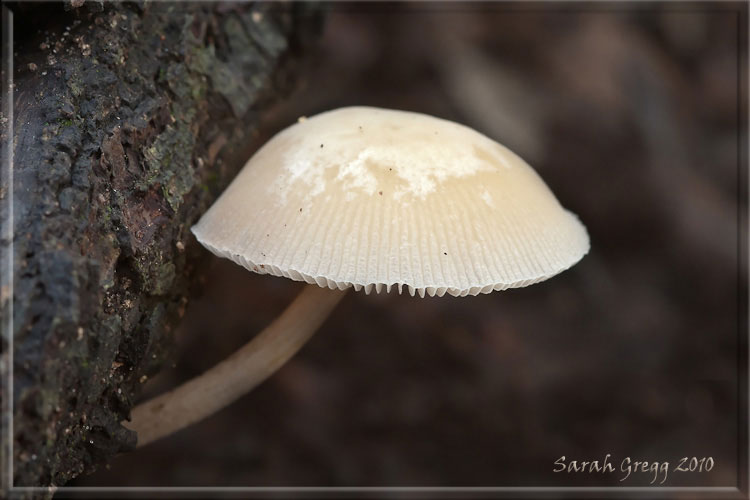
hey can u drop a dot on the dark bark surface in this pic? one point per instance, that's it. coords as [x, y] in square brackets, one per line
[129, 119]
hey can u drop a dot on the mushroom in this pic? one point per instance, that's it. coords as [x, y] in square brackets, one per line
[369, 199]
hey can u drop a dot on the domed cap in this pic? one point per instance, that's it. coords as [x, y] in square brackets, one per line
[375, 198]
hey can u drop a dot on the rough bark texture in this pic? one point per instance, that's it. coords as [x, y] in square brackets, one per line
[129, 119]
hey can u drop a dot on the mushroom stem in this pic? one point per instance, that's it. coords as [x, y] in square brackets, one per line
[239, 373]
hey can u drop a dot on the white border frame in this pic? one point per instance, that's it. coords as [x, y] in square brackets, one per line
[6, 361]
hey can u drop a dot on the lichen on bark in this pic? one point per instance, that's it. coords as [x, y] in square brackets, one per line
[129, 119]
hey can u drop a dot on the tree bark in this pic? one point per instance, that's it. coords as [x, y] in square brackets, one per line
[129, 120]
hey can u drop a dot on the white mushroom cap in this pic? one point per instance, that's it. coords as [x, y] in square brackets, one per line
[375, 198]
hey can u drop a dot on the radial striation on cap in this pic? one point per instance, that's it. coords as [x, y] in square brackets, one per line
[376, 199]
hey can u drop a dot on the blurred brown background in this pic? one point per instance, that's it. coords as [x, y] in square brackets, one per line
[630, 114]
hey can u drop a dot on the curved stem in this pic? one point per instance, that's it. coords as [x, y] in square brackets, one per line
[239, 373]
